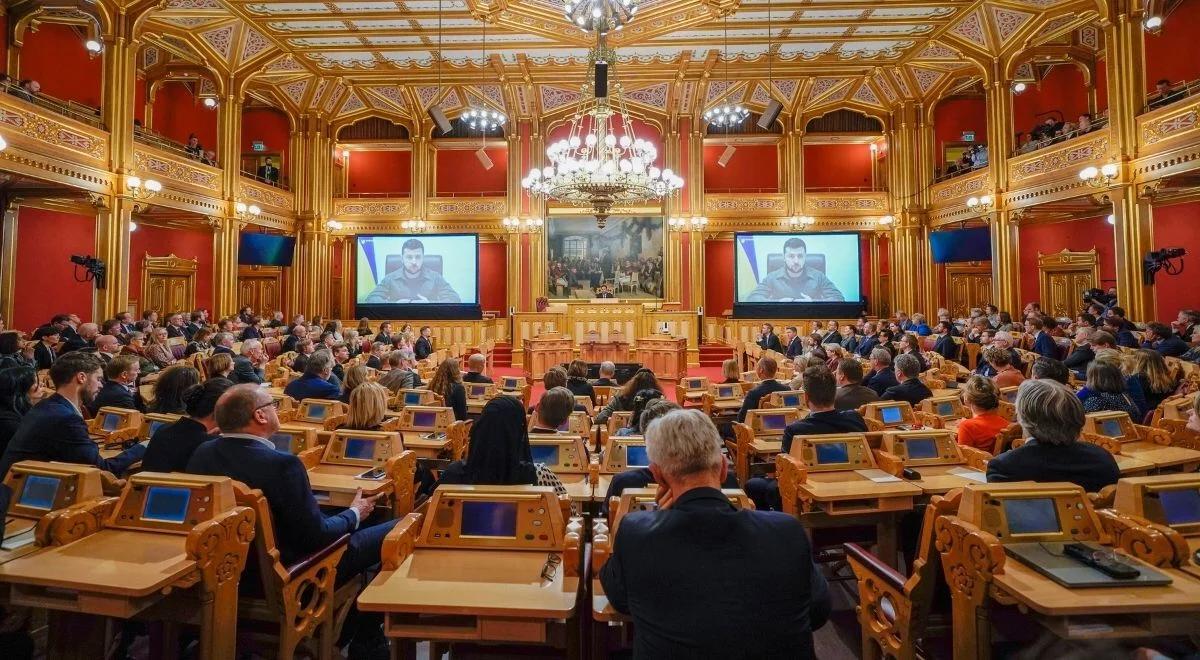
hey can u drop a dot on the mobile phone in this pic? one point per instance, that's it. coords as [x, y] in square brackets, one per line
[374, 474]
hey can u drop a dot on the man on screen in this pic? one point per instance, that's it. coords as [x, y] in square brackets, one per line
[795, 282]
[413, 283]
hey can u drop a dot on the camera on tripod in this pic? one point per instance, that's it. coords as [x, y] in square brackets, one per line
[1161, 260]
[93, 268]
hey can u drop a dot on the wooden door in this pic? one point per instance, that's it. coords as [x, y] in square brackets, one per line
[168, 284]
[967, 285]
[1062, 279]
[259, 287]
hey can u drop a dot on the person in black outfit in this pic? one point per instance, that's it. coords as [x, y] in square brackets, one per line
[821, 389]
[910, 387]
[768, 340]
[423, 347]
[945, 346]
[499, 453]
[608, 372]
[172, 445]
[44, 353]
[447, 381]
[882, 375]
[476, 363]
[17, 384]
[767, 384]
[1160, 337]
[120, 378]
[792, 342]
[1082, 356]
[658, 558]
[1052, 416]
[290, 342]
[577, 380]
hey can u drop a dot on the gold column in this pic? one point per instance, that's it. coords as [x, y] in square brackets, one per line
[876, 281]
[117, 91]
[1134, 237]
[311, 270]
[113, 216]
[308, 282]
[673, 266]
[1006, 259]
[8, 257]
[226, 235]
[229, 140]
[910, 275]
[795, 170]
[422, 172]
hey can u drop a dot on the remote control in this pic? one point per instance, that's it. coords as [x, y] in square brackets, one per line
[1102, 560]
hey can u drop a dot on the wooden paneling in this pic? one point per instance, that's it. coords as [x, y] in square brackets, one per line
[168, 284]
[967, 285]
[260, 288]
[631, 320]
[1063, 277]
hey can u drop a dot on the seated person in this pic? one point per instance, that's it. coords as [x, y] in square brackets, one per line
[1052, 417]
[1106, 389]
[401, 374]
[1083, 354]
[248, 367]
[172, 445]
[476, 363]
[368, 407]
[920, 326]
[314, 384]
[981, 396]
[768, 340]
[882, 376]
[248, 417]
[945, 345]
[499, 453]
[730, 372]
[1157, 380]
[623, 399]
[1160, 337]
[577, 380]
[765, 370]
[1049, 369]
[1004, 374]
[640, 401]
[169, 388]
[1002, 339]
[447, 382]
[378, 355]
[355, 376]
[608, 375]
[910, 387]
[554, 408]
[910, 345]
[1115, 326]
[220, 365]
[120, 385]
[851, 393]
[698, 532]
[823, 418]
[54, 430]
[1043, 343]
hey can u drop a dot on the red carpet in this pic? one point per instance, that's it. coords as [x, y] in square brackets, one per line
[713, 374]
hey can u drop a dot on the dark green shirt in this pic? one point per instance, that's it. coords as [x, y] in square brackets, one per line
[396, 287]
[811, 283]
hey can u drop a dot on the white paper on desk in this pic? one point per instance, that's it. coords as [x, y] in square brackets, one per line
[17, 541]
[878, 476]
[968, 473]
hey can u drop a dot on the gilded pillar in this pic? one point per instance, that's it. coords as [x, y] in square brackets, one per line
[875, 265]
[1133, 233]
[308, 282]
[1006, 259]
[117, 90]
[8, 258]
[1003, 223]
[226, 237]
[794, 170]
[1125, 65]
[910, 275]
[113, 215]
[421, 173]
[229, 140]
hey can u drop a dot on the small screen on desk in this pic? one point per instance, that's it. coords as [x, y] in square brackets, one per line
[111, 422]
[316, 411]
[945, 408]
[360, 448]
[166, 504]
[412, 398]
[829, 453]
[635, 456]
[725, 393]
[695, 384]
[1111, 428]
[1180, 507]
[424, 419]
[478, 391]
[547, 454]
[510, 383]
[494, 519]
[1032, 516]
[921, 448]
[774, 422]
[39, 492]
[891, 415]
[791, 400]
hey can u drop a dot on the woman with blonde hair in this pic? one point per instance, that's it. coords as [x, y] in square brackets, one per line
[157, 350]
[219, 365]
[729, 369]
[981, 396]
[368, 407]
[355, 377]
[1148, 367]
[447, 381]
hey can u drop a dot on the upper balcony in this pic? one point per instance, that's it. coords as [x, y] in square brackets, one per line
[55, 141]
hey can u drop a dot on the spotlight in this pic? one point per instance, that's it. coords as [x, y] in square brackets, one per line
[1111, 219]
[1153, 22]
[132, 226]
[1019, 87]
[93, 46]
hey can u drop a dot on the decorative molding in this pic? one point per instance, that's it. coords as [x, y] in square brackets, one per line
[870, 203]
[461, 207]
[961, 186]
[1169, 122]
[393, 206]
[1061, 160]
[62, 133]
[174, 169]
[266, 195]
[771, 204]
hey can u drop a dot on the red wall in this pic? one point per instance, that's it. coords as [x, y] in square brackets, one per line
[4, 41]
[1171, 53]
[952, 117]
[837, 166]
[55, 57]
[177, 114]
[1101, 86]
[45, 276]
[271, 128]
[718, 277]
[493, 277]
[1062, 91]
[1076, 236]
[754, 168]
[383, 172]
[1177, 225]
[161, 242]
[459, 171]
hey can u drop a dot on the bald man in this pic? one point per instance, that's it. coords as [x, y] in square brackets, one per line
[83, 338]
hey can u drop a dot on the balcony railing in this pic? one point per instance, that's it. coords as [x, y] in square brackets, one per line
[282, 183]
[161, 142]
[1173, 94]
[77, 111]
[959, 172]
[395, 206]
[1060, 161]
[1030, 147]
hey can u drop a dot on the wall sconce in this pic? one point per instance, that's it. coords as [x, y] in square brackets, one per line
[3, 144]
[885, 223]
[981, 205]
[142, 190]
[515, 225]
[93, 47]
[132, 226]
[414, 226]
[695, 223]
[801, 221]
[333, 225]
[244, 212]
[210, 102]
[1100, 177]
[1018, 87]
[1111, 219]
[345, 154]
[1153, 23]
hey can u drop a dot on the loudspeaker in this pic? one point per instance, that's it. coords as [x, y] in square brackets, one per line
[726, 156]
[768, 117]
[601, 80]
[483, 159]
[439, 118]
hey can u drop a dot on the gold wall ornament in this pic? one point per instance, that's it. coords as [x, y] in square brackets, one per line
[50, 129]
[770, 204]
[870, 203]
[393, 206]
[1061, 160]
[1168, 123]
[176, 170]
[265, 195]
[953, 190]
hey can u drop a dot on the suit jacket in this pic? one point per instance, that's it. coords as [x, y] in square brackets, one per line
[1125, 338]
[1172, 346]
[223, 349]
[821, 423]
[289, 343]
[761, 595]
[831, 337]
[173, 331]
[312, 387]
[54, 431]
[244, 371]
[850, 343]
[866, 345]
[771, 343]
[946, 347]
[116, 395]
[172, 446]
[475, 377]
[1044, 345]
[754, 396]
[795, 347]
[1082, 463]
[912, 391]
[422, 348]
[191, 329]
[851, 397]
[251, 332]
[880, 381]
[1079, 359]
[43, 355]
[300, 527]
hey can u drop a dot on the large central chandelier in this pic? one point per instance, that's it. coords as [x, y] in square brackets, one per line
[602, 164]
[600, 15]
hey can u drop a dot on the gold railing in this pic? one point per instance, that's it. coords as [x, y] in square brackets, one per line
[41, 130]
[739, 204]
[175, 171]
[955, 190]
[266, 196]
[1168, 126]
[1062, 161]
[467, 208]
[846, 203]
[371, 208]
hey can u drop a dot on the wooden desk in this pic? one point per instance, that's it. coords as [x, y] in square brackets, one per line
[604, 351]
[336, 485]
[542, 354]
[937, 479]
[424, 447]
[847, 499]
[665, 356]
[1162, 456]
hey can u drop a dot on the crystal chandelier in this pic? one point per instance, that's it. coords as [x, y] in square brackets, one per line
[724, 116]
[483, 119]
[600, 15]
[602, 163]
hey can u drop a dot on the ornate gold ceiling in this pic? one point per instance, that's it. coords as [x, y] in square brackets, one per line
[347, 59]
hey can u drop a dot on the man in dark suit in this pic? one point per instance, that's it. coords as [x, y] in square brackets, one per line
[608, 375]
[673, 569]
[423, 346]
[315, 384]
[120, 379]
[223, 343]
[268, 173]
[1004, 340]
[247, 417]
[850, 340]
[475, 366]
[289, 343]
[175, 326]
[867, 343]
[831, 335]
[44, 353]
[54, 429]
[792, 342]
[851, 393]
[767, 384]
[1052, 416]
[127, 326]
[1043, 343]
[1161, 338]
[882, 376]
[945, 346]
[248, 367]
[1082, 356]
[83, 338]
[195, 323]
[767, 340]
[910, 387]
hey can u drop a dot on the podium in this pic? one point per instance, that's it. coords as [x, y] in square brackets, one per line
[612, 349]
[544, 352]
[666, 356]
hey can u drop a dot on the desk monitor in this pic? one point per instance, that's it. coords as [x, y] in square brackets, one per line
[946, 407]
[40, 486]
[564, 454]
[365, 448]
[773, 422]
[166, 504]
[360, 448]
[285, 402]
[494, 517]
[39, 492]
[1031, 515]
[770, 421]
[623, 453]
[111, 422]
[1178, 407]
[1180, 506]
[173, 502]
[693, 384]
[619, 420]
[299, 438]
[426, 419]
[510, 383]
[636, 456]
[318, 410]
[730, 391]
[546, 454]
[479, 390]
[791, 399]
[1030, 512]
[826, 453]
[412, 398]
[923, 447]
[1166, 499]
[890, 413]
[1110, 424]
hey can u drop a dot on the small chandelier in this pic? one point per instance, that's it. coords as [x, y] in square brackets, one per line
[414, 226]
[600, 15]
[244, 212]
[801, 221]
[143, 190]
[981, 205]
[1099, 177]
[515, 225]
[695, 223]
[483, 119]
[726, 115]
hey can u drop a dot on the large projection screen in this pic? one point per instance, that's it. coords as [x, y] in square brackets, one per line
[817, 273]
[417, 276]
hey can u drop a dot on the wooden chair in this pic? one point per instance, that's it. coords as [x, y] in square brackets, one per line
[894, 610]
[301, 600]
[603, 394]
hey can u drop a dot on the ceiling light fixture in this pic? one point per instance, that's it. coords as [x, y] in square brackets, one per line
[210, 102]
[726, 115]
[480, 117]
[1111, 219]
[515, 225]
[694, 223]
[600, 15]
[1100, 177]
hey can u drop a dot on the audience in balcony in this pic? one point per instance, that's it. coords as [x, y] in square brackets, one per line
[1164, 95]
[194, 148]
[972, 158]
[209, 158]
[268, 172]
[27, 89]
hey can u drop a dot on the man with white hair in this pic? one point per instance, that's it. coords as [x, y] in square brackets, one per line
[248, 367]
[608, 372]
[1002, 339]
[1082, 356]
[673, 570]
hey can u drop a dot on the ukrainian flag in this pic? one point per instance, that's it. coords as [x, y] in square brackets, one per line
[747, 267]
[366, 275]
